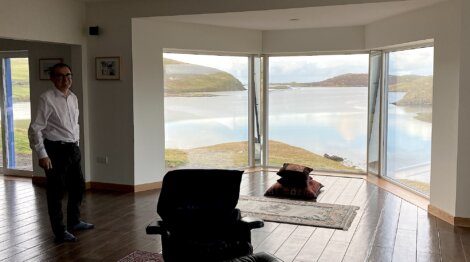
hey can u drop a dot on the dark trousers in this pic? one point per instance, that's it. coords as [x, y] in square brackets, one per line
[65, 176]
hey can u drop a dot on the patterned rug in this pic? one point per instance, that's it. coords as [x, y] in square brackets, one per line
[142, 256]
[298, 212]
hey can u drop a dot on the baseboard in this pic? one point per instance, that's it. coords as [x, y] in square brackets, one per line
[443, 215]
[124, 188]
[148, 186]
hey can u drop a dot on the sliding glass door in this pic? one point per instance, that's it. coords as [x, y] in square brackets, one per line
[15, 114]
[408, 125]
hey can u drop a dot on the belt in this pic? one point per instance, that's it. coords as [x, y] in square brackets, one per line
[61, 142]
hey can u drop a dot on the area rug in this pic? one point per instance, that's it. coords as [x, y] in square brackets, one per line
[142, 256]
[298, 212]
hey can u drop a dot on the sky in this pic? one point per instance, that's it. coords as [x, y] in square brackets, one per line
[303, 69]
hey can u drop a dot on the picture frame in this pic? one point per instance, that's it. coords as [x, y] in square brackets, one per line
[108, 68]
[45, 65]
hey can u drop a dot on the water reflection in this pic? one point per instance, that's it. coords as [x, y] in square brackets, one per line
[321, 120]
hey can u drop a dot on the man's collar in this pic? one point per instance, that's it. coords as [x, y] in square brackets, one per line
[58, 92]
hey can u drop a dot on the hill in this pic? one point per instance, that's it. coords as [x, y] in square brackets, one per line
[235, 154]
[418, 91]
[188, 78]
[346, 80]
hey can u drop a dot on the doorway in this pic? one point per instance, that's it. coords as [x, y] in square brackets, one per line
[15, 114]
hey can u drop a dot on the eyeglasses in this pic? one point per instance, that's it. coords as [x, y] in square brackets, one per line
[69, 76]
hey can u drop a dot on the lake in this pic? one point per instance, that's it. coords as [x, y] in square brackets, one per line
[321, 120]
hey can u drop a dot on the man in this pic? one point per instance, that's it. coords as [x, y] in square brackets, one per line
[54, 136]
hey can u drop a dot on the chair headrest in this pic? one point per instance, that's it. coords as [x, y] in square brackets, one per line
[199, 191]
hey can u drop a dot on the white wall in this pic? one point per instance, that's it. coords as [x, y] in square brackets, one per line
[441, 23]
[149, 37]
[463, 179]
[333, 39]
[59, 21]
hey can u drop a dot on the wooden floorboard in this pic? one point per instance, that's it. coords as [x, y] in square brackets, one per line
[386, 227]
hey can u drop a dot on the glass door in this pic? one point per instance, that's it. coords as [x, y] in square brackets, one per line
[15, 107]
[373, 127]
[408, 106]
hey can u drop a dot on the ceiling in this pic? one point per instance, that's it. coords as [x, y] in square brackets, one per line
[307, 17]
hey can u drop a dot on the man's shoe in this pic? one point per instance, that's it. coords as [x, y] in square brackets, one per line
[66, 237]
[82, 225]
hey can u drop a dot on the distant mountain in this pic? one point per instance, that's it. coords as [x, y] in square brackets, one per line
[346, 80]
[188, 78]
[418, 88]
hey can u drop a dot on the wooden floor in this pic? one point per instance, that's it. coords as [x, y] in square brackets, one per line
[386, 227]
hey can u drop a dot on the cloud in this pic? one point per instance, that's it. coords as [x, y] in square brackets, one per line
[315, 68]
[283, 69]
[235, 65]
[412, 62]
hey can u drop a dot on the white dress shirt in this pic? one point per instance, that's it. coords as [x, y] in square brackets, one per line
[56, 120]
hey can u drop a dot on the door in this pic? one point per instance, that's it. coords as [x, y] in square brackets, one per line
[374, 115]
[15, 109]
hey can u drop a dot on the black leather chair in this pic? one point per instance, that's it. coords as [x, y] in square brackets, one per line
[199, 221]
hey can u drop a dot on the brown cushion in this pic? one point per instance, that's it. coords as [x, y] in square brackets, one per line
[293, 182]
[310, 191]
[294, 171]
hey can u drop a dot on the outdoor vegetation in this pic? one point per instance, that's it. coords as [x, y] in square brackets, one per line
[183, 78]
[236, 154]
[20, 80]
[20, 90]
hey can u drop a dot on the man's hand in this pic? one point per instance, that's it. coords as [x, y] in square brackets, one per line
[45, 163]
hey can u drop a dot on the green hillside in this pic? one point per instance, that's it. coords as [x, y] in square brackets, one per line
[188, 78]
[20, 79]
[236, 154]
[418, 91]
[345, 80]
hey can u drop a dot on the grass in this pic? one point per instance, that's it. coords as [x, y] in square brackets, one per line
[280, 153]
[175, 158]
[21, 137]
[235, 154]
[420, 186]
[21, 93]
[207, 80]
[20, 69]
[20, 79]
[418, 91]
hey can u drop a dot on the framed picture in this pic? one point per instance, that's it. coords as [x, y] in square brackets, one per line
[108, 68]
[45, 65]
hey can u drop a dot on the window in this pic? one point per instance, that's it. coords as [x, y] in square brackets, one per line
[318, 111]
[409, 117]
[15, 114]
[206, 111]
